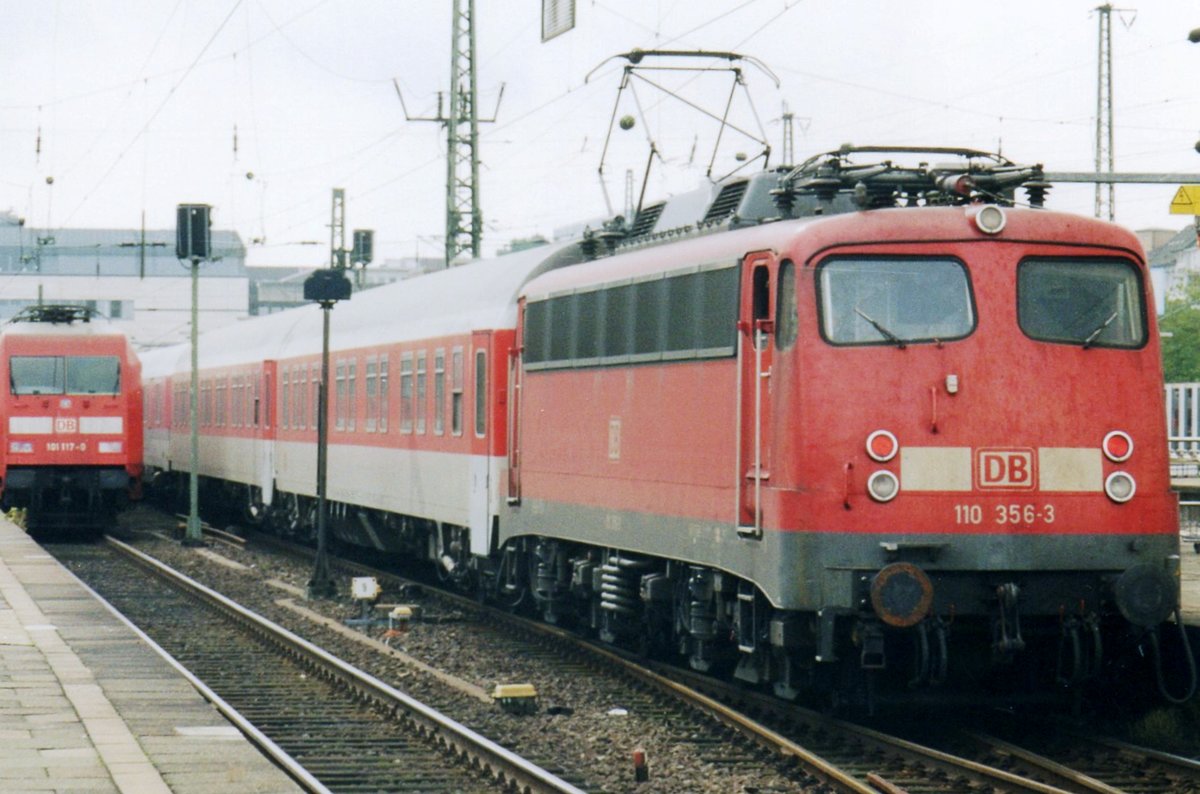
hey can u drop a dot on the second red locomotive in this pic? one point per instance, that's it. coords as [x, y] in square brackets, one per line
[71, 437]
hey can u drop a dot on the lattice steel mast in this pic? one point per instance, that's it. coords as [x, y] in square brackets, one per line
[1105, 194]
[462, 134]
[464, 218]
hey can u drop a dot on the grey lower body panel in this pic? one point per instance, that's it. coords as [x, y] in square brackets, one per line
[811, 570]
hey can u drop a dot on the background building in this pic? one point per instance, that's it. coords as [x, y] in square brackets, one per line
[129, 276]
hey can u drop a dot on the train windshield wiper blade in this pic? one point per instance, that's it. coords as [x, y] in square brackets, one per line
[888, 335]
[1087, 342]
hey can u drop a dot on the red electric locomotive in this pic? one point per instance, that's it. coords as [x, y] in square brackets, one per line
[873, 449]
[850, 427]
[72, 430]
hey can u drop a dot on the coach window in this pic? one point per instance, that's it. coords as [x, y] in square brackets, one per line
[239, 397]
[300, 396]
[372, 386]
[221, 402]
[456, 392]
[421, 392]
[297, 397]
[286, 393]
[339, 422]
[352, 393]
[894, 301]
[385, 401]
[315, 379]
[439, 392]
[480, 393]
[406, 393]
[1087, 302]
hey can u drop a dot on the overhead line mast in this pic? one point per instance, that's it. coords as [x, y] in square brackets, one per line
[1106, 196]
[464, 217]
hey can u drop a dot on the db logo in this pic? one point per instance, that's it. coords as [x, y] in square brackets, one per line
[66, 424]
[1011, 469]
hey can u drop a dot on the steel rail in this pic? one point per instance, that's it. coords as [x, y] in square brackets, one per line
[1042, 762]
[730, 716]
[290, 766]
[727, 716]
[1166, 759]
[506, 766]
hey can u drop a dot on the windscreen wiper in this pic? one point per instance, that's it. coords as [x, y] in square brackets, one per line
[888, 335]
[1092, 336]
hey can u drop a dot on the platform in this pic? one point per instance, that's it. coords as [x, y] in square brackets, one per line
[88, 706]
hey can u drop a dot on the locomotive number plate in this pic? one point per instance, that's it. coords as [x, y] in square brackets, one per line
[1010, 514]
[66, 446]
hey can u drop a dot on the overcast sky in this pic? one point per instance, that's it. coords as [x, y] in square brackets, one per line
[132, 106]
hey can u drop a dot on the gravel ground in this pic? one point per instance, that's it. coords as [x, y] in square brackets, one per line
[588, 723]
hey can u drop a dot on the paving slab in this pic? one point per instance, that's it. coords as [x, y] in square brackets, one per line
[87, 706]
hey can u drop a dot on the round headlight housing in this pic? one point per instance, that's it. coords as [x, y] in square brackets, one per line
[883, 486]
[990, 219]
[1120, 487]
[1118, 446]
[882, 446]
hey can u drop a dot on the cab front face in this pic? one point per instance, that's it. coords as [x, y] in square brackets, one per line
[972, 406]
[72, 442]
[66, 409]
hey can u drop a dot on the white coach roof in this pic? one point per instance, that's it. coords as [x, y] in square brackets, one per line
[479, 295]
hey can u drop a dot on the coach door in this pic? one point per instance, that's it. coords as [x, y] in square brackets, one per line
[264, 431]
[755, 356]
[480, 431]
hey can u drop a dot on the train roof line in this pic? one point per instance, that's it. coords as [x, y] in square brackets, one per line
[56, 313]
[849, 179]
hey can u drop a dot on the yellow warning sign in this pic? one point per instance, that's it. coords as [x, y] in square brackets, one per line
[1186, 201]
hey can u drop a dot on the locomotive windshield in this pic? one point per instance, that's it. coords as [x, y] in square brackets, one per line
[1088, 302]
[874, 301]
[65, 374]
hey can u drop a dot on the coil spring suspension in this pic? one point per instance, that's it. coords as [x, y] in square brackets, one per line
[620, 600]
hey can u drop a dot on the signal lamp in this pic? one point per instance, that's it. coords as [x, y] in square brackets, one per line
[882, 446]
[1118, 446]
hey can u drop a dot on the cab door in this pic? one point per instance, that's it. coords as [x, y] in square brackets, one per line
[755, 351]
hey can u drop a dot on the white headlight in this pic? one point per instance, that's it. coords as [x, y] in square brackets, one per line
[111, 446]
[1120, 487]
[883, 486]
[990, 219]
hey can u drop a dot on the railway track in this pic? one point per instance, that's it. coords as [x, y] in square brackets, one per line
[331, 726]
[824, 754]
[1072, 760]
[852, 757]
